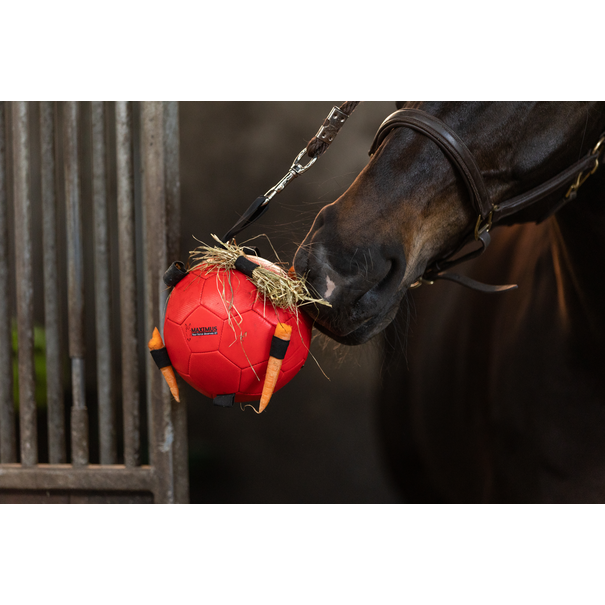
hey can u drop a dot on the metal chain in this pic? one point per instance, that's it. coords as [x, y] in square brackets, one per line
[582, 177]
[316, 146]
[319, 143]
[295, 170]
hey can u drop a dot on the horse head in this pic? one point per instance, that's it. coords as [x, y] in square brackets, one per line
[409, 207]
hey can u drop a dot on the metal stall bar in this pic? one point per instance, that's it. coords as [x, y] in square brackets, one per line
[128, 300]
[166, 477]
[54, 383]
[75, 286]
[173, 245]
[8, 441]
[66, 477]
[105, 388]
[152, 187]
[24, 282]
[160, 190]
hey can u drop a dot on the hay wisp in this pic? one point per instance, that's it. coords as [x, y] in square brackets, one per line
[281, 289]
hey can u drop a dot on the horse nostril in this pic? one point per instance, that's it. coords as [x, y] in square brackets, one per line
[391, 275]
[387, 286]
[387, 278]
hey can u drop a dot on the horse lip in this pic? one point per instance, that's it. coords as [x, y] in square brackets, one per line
[339, 333]
[353, 329]
[354, 336]
[335, 327]
[346, 339]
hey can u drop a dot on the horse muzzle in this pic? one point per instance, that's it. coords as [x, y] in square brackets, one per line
[362, 284]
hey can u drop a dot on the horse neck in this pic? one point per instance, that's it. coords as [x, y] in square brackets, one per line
[578, 247]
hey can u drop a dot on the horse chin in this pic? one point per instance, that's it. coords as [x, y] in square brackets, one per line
[360, 334]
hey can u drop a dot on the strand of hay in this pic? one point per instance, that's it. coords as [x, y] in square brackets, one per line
[283, 290]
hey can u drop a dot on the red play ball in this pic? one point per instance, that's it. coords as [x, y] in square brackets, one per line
[218, 334]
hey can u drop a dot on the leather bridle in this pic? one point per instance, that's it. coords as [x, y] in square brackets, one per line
[454, 148]
[488, 213]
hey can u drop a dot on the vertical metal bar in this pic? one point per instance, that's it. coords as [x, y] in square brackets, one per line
[107, 428]
[8, 441]
[161, 195]
[54, 383]
[128, 314]
[154, 200]
[75, 286]
[24, 282]
[173, 245]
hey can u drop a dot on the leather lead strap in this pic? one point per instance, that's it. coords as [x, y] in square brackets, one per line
[438, 269]
[463, 280]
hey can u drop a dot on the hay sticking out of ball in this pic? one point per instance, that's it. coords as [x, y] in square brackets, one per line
[281, 289]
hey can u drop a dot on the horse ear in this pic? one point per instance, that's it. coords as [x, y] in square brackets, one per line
[399, 104]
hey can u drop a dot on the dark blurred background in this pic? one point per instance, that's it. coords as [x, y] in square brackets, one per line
[317, 440]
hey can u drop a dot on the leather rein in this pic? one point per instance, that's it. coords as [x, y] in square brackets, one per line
[488, 213]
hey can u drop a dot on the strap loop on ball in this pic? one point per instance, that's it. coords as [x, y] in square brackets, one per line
[245, 266]
[224, 401]
[175, 273]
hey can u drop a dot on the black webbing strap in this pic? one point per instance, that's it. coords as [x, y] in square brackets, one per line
[224, 401]
[160, 356]
[253, 213]
[175, 273]
[245, 266]
[278, 347]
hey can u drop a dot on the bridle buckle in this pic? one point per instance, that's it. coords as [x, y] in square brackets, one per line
[581, 178]
[479, 228]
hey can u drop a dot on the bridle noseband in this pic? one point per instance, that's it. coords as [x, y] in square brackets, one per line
[449, 142]
[488, 213]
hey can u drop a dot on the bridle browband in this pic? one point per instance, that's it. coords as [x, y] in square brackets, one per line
[488, 213]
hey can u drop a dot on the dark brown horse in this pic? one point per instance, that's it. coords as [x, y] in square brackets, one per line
[486, 397]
